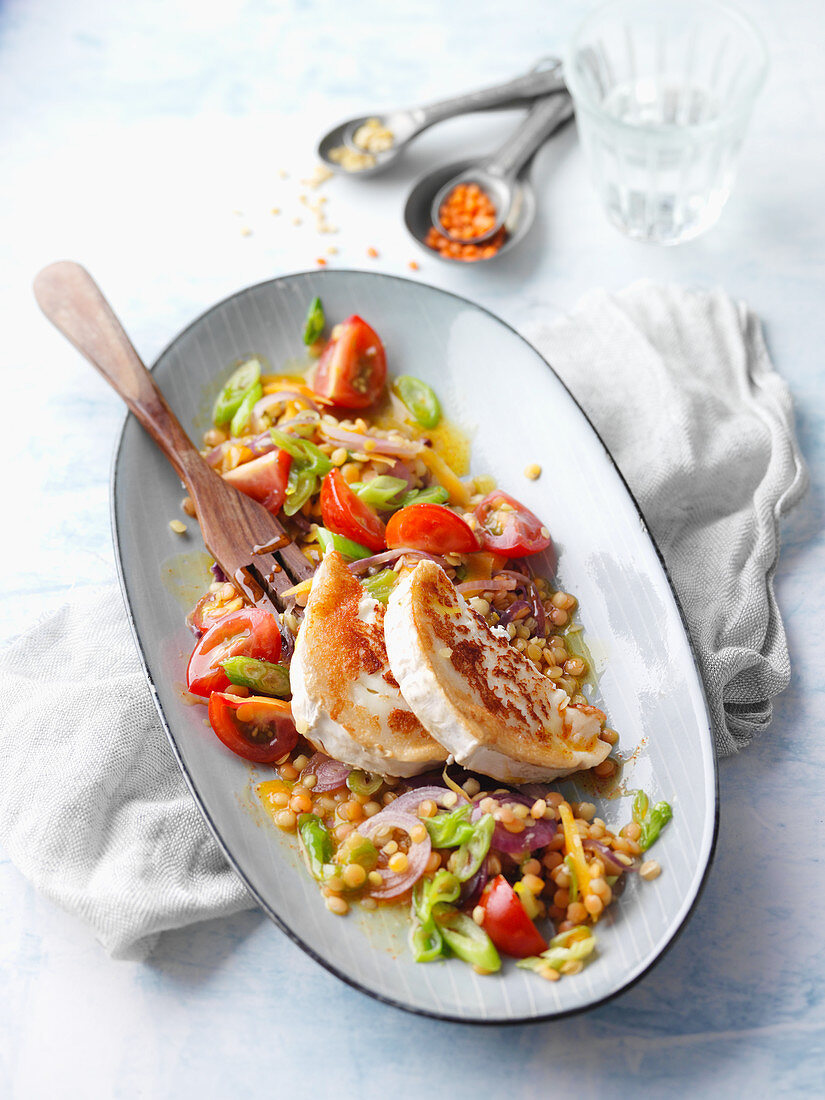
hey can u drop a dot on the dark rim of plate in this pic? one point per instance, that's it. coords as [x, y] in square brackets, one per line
[491, 1021]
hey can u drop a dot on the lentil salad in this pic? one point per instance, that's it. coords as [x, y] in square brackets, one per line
[482, 867]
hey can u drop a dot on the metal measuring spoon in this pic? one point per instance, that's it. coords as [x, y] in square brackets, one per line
[543, 79]
[544, 119]
[496, 175]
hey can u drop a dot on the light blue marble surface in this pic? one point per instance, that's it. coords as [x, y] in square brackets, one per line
[129, 135]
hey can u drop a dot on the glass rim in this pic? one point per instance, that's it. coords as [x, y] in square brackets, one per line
[745, 98]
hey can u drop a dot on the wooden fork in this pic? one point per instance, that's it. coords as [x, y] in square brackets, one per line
[247, 542]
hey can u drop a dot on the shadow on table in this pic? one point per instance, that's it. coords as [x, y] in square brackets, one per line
[191, 956]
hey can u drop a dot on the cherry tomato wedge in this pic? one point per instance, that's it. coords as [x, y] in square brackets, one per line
[255, 728]
[514, 531]
[431, 528]
[248, 632]
[205, 613]
[352, 369]
[346, 514]
[264, 479]
[506, 921]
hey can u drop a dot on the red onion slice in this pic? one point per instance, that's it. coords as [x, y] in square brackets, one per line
[535, 834]
[278, 398]
[261, 444]
[493, 584]
[331, 774]
[396, 883]
[512, 611]
[215, 456]
[358, 567]
[531, 594]
[369, 444]
[472, 888]
[612, 866]
[410, 801]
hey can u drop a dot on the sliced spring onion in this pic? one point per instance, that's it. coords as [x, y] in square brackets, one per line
[652, 821]
[229, 399]
[659, 817]
[364, 783]
[451, 830]
[302, 451]
[467, 859]
[435, 494]
[262, 677]
[420, 399]
[468, 941]
[317, 844]
[442, 889]
[380, 491]
[315, 321]
[426, 941]
[244, 410]
[575, 945]
[358, 849]
[640, 807]
[353, 551]
[300, 486]
[380, 585]
[309, 465]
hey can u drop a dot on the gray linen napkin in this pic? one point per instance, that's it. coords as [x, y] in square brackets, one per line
[94, 811]
[679, 385]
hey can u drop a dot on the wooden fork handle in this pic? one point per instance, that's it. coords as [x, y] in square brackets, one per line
[72, 301]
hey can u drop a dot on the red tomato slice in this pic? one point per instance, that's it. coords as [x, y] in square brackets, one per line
[352, 369]
[431, 528]
[264, 479]
[345, 513]
[255, 728]
[506, 921]
[514, 531]
[205, 613]
[248, 632]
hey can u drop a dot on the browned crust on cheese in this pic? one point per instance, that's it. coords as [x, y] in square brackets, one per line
[495, 687]
[340, 647]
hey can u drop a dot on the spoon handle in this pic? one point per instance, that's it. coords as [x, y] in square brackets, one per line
[544, 118]
[544, 79]
[72, 301]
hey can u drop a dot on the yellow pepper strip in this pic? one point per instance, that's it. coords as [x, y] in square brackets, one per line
[275, 383]
[573, 848]
[459, 493]
[480, 565]
[303, 587]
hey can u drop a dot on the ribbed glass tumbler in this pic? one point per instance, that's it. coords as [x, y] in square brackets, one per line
[664, 91]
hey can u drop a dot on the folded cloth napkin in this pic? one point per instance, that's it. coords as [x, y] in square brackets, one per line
[94, 810]
[680, 387]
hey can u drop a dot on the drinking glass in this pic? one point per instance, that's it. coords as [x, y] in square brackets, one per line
[664, 91]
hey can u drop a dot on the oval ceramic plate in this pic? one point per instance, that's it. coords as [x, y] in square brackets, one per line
[499, 388]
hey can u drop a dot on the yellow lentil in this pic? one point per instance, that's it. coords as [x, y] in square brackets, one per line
[354, 876]
[650, 869]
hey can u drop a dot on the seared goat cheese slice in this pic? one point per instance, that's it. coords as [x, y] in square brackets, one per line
[476, 694]
[345, 699]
